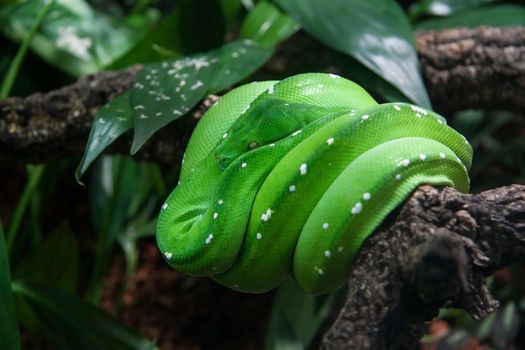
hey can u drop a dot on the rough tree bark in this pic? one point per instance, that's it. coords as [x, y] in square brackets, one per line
[434, 250]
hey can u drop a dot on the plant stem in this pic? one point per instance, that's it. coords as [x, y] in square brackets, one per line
[34, 173]
[14, 67]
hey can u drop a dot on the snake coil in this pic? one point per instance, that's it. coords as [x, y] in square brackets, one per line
[290, 177]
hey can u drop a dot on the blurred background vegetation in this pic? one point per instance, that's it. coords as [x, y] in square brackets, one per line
[69, 250]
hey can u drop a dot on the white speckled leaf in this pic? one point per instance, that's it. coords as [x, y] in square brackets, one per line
[111, 121]
[165, 91]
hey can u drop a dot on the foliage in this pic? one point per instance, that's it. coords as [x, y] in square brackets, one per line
[189, 49]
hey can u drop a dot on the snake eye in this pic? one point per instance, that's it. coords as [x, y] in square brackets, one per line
[253, 144]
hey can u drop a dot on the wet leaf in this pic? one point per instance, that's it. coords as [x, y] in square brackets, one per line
[165, 91]
[442, 7]
[111, 121]
[268, 25]
[374, 32]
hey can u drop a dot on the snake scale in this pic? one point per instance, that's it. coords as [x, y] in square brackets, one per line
[291, 176]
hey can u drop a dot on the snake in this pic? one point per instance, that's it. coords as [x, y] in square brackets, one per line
[289, 178]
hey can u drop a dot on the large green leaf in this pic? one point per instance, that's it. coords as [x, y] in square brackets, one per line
[166, 90]
[375, 32]
[75, 323]
[111, 121]
[496, 16]
[268, 25]
[73, 37]
[9, 338]
[442, 7]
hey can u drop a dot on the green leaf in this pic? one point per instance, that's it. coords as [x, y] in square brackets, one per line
[296, 318]
[9, 336]
[75, 323]
[111, 121]
[267, 25]
[73, 37]
[56, 261]
[167, 90]
[121, 202]
[495, 16]
[374, 32]
[195, 25]
[442, 7]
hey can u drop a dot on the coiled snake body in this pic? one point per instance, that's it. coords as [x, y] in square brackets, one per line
[291, 177]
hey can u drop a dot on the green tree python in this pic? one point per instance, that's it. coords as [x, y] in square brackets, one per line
[290, 177]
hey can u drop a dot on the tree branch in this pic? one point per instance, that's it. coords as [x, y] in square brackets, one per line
[464, 68]
[434, 252]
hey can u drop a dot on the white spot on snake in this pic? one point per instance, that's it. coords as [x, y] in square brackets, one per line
[340, 249]
[397, 108]
[102, 121]
[236, 286]
[320, 271]
[165, 205]
[139, 107]
[418, 110]
[440, 121]
[270, 90]
[303, 169]
[442, 155]
[296, 133]
[334, 76]
[357, 208]
[271, 144]
[398, 177]
[320, 85]
[422, 156]
[367, 196]
[327, 253]
[209, 239]
[326, 226]
[405, 162]
[215, 215]
[168, 255]
[418, 115]
[291, 188]
[258, 235]
[235, 54]
[365, 117]
[266, 216]
[143, 116]
[220, 201]
[330, 141]
[225, 135]
[244, 165]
